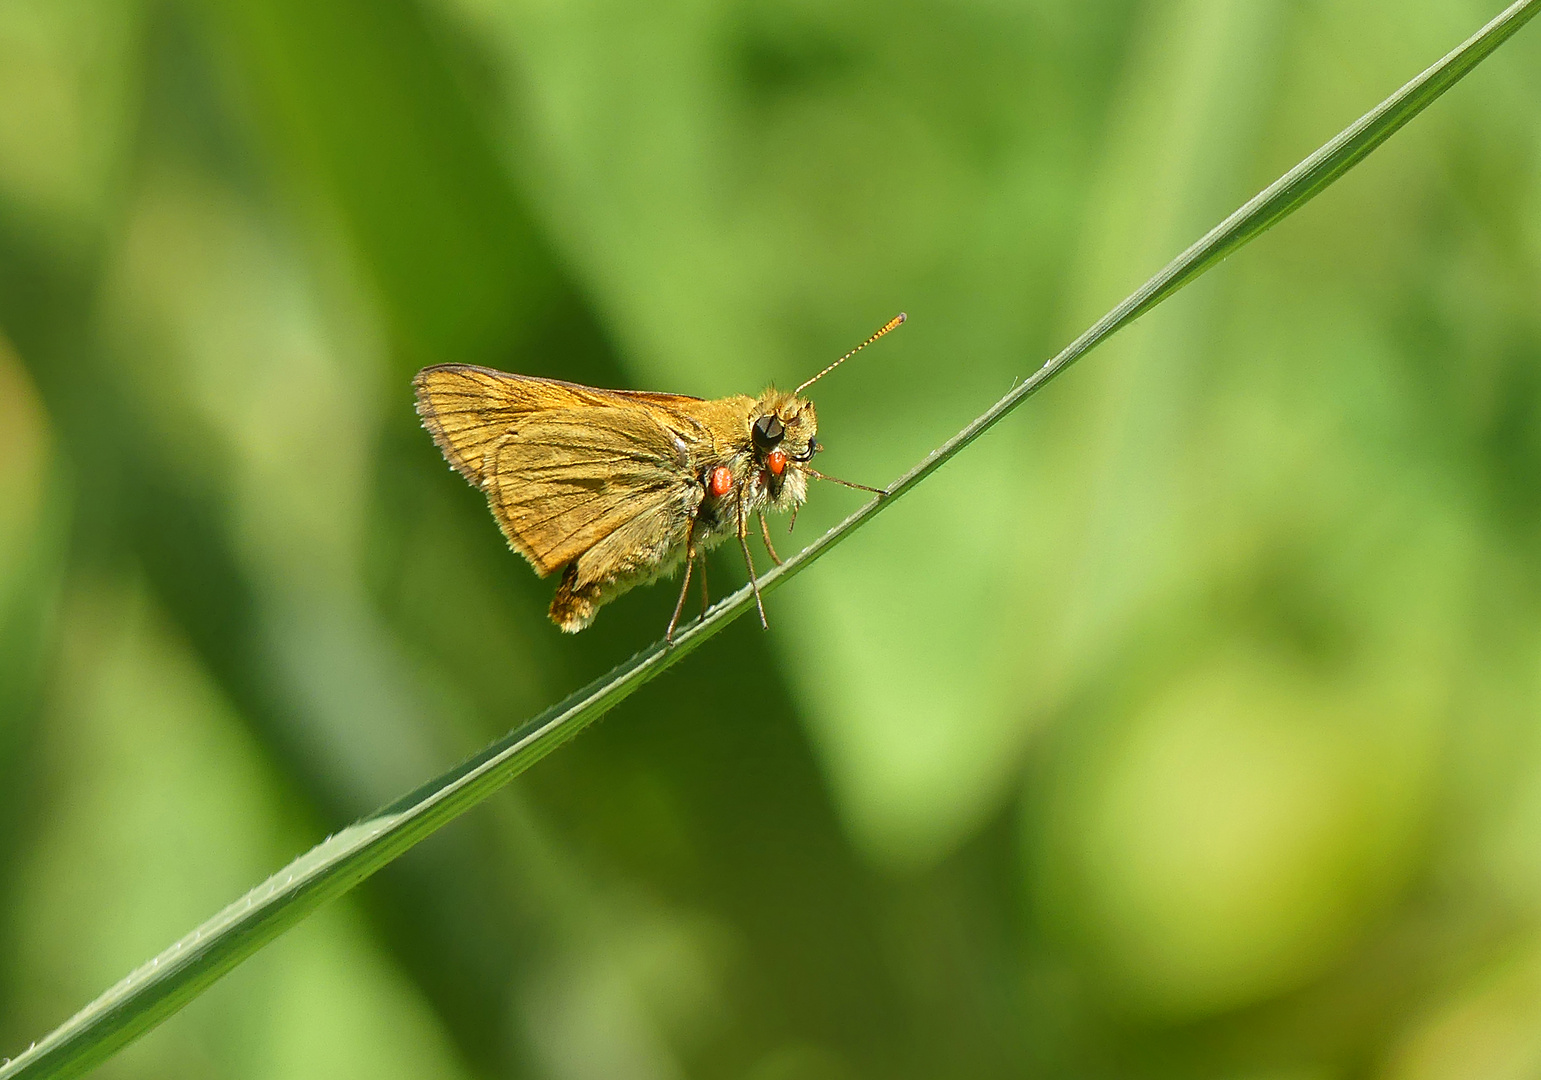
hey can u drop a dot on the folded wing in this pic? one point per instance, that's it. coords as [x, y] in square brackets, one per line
[564, 466]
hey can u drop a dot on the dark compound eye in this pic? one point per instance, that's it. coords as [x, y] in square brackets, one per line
[767, 433]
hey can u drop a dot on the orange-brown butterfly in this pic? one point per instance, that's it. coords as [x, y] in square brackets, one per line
[615, 487]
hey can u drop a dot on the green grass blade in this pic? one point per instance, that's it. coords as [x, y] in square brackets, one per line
[158, 988]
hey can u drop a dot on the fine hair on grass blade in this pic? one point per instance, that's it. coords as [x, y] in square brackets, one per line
[168, 981]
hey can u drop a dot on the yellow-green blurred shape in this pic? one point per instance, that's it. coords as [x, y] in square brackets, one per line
[24, 454]
[1228, 839]
[258, 357]
[66, 105]
[261, 373]
[158, 813]
[1489, 1029]
[800, 1062]
[642, 988]
[33, 538]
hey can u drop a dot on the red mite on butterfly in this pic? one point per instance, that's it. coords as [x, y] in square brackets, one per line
[721, 481]
[615, 488]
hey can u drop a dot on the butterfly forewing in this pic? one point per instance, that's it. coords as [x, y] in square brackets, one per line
[467, 410]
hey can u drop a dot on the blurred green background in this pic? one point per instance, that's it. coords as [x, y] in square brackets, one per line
[1189, 725]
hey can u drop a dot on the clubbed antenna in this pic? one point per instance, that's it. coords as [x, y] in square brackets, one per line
[897, 320]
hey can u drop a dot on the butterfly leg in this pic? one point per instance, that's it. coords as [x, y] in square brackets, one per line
[690, 561]
[765, 532]
[679, 605]
[754, 582]
[705, 596]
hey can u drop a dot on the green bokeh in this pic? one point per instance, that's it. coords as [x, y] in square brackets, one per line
[1185, 726]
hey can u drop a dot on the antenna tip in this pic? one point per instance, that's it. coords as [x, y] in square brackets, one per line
[901, 317]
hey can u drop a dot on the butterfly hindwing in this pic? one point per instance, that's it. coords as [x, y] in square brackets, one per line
[566, 479]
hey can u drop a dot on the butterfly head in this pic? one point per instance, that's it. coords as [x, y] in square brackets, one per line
[782, 427]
